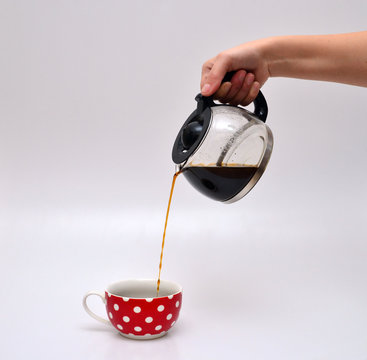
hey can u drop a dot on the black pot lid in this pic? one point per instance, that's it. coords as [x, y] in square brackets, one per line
[193, 130]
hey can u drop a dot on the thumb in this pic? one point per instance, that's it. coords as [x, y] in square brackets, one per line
[214, 78]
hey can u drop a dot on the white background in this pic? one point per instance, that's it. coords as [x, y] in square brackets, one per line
[92, 95]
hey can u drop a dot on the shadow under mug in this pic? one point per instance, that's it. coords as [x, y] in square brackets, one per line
[134, 309]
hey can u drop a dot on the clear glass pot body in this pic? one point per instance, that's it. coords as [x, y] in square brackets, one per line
[232, 155]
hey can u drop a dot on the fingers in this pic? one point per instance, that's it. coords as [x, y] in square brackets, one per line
[241, 83]
[251, 96]
[205, 71]
[236, 85]
[212, 74]
[223, 91]
[229, 89]
[242, 89]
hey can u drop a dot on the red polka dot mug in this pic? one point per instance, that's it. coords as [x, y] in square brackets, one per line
[134, 309]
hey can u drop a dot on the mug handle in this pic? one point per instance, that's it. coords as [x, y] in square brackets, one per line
[89, 311]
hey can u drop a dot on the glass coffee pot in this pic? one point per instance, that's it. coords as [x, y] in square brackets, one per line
[223, 150]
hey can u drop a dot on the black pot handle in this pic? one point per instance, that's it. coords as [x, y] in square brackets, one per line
[261, 107]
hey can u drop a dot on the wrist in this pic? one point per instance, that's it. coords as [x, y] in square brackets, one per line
[300, 56]
[273, 55]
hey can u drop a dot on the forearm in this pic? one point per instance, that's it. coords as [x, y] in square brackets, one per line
[338, 58]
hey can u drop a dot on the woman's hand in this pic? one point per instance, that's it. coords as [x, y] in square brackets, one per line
[252, 70]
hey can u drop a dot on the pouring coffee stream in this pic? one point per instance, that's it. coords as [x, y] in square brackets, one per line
[222, 150]
[164, 231]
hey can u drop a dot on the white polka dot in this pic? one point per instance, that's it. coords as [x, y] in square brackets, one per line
[169, 317]
[149, 319]
[173, 323]
[160, 308]
[149, 299]
[125, 298]
[110, 314]
[119, 326]
[170, 297]
[109, 295]
[126, 318]
[158, 327]
[137, 309]
[137, 328]
[177, 303]
[116, 307]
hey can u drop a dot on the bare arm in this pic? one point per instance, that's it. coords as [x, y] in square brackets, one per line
[338, 58]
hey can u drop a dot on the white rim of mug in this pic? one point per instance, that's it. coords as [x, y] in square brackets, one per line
[142, 298]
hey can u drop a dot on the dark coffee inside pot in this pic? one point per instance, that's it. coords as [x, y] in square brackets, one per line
[219, 182]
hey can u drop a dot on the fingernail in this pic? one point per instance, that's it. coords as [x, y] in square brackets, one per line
[205, 88]
[257, 84]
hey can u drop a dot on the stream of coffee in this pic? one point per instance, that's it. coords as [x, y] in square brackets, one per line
[217, 182]
[165, 228]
